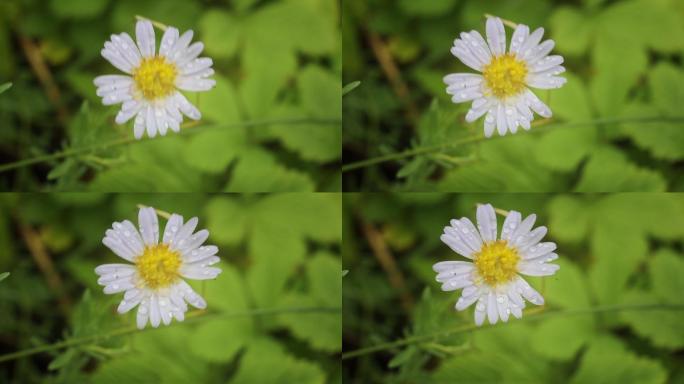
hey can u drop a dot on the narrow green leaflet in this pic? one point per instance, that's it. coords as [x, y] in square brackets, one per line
[4, 275]
[5, 87]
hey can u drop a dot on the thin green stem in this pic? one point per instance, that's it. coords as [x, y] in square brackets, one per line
[479, 138]
[190, 318]
[472, 327]
[157, 24]
[511, 24]
[128, 140]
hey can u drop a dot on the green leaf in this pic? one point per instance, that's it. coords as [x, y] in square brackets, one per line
[4, 275]
[571, 30]
[62, 359]
[213, 150]
[220, 33]
[219, 104]
[568, 288]
[609, 171]
[663, 140]
[561, 338]
[663, 328]
[608, 362]
[320, 92]
[350, 87]
[315, 142]
[5, 87]
[322, 331]
[78, 8]
[666, 269]
[258, 171]
[228, 219]
[666, 83]
[266, 363]
[570, 217]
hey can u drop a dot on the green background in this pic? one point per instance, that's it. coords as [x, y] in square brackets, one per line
[277, 251]
[623, 60]
[273, 60]
[614, 250]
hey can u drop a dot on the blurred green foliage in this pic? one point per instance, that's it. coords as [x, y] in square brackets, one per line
[615, 250]
[623, 60]
[277, 251]
[274, 60]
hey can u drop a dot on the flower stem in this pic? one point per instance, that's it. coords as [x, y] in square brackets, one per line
[161, 213]
[157, 24]
[190, 318]
[129, 140]
[505, 21]
[418, 339]
[478, 138]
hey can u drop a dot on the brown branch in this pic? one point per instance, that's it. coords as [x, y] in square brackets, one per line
[42, 72]
[391, 70]
[46, 266]
[388, 264]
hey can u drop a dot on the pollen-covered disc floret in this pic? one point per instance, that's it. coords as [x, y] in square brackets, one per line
[154, 281]
[150, 90]
[502, 91]
[492, 279]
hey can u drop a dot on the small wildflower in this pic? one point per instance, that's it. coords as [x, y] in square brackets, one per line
[492, 278]
[501, 91]
[150, 90]
[154, 281]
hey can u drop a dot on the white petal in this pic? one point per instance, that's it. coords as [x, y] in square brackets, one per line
[120, 285]
[200, 254]
[181, 45]
[191, 296]
[143, 313]
[172, 226]
[511, 118]
[149, 225]
[529, 293]
[537, 269]
[183, 233]
[524, 228]
[519, 36]
[117, 60]
[448, 266]
[129, 303]
[502, 306]
[475, 44]
[168, 41]
[126, 48]
[490, 122]
[467, 232]
[160, 120]
[523, 243]
[478, 108]
[455, 243]
[126, 114]
[189, 55]
[164, 309]
[486, 222]
[531, 42]
[144, 34]
[192, 242]
[196, 66]
[546, 63]
[155, 317]
[461, 51]
[496, 36]
[465, 94]
[457, 282]
[107, 269]
[186, 108]
[510, 224]
[123, 240]
[139, 125]
[480, 310]
[194, 84]
[492, 310]
[539, 52]
[501, 124]
[466, 301]
[150, 122]
[197, 272]
[545, 82]
[538, 250]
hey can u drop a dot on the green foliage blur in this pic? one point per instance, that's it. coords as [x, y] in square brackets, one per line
[623, 60]
[274, 60]
[277, 251]
[614, 250]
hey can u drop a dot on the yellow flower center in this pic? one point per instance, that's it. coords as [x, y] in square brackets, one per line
[496, 262]
[155, 77]
[158, 266]
[505, 75]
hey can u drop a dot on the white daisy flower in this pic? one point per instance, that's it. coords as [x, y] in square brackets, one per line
[154, 282]
[501, 91]
[492, 279]
[150, 91]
